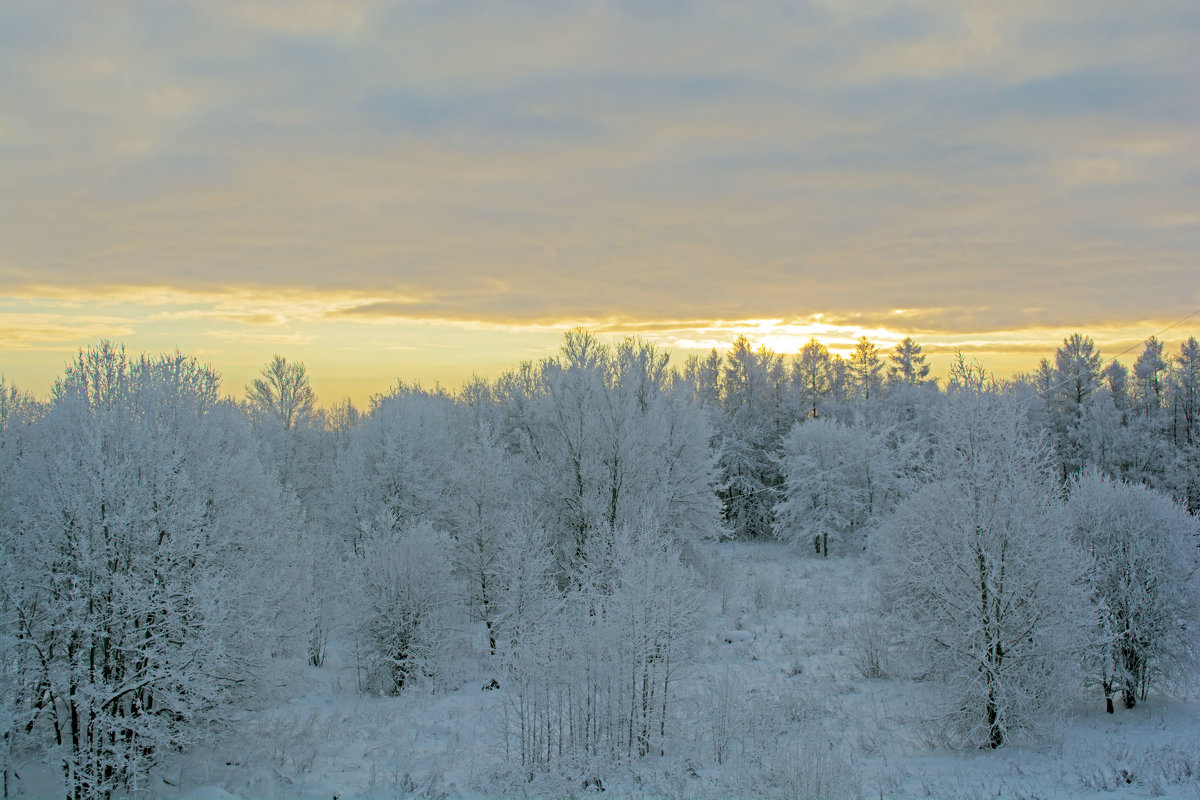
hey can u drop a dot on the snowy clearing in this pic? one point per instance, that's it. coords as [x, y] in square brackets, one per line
[775, 693]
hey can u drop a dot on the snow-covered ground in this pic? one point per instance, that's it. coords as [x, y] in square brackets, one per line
[776, 704]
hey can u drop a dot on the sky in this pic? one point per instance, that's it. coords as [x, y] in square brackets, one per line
[426, 190]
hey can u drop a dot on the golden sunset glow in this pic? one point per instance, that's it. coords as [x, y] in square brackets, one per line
[426, 191]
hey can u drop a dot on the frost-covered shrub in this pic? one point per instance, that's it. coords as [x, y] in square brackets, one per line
[809, 765]
[790, 745]
[869, 647]
[1144, 583]
[590, 669]
[725, 697]
[765, 593]
[720, 577]
[405, 590]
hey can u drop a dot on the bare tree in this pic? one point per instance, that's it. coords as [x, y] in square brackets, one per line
[282, 393]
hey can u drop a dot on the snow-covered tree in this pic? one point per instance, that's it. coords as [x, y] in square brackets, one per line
[282, 408]
[1144, 583]
[1149, 372]
[17, 412]
[1116, 380]
[149, 555]
[482, 495]
[567, 449]
[1185, 422]
[1077, 370]
[591, 671]
[908, 363]
[753, 392]
[866, 368]
[652, 609]
[526, 589]
[1138, 452]
[981, 577]
[1076, 381]
[303, 444]
[837, 480]
[673, 466]
[701, 380]
[282, 392]
[812, 379]
[396, 464]
[16, 405]
[322, 445]
[604, 439]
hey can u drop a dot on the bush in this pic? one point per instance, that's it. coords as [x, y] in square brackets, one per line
[405, 592]
[591, 669]
[869, 644]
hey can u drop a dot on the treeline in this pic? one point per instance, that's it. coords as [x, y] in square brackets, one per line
[166, 547]
[1140, 425]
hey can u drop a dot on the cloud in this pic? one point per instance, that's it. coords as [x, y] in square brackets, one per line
[44, 331]
[260, 337]
[987, 168]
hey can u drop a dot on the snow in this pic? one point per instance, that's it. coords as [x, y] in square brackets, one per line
[781, 626]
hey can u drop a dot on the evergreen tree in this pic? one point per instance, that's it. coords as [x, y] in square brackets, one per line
[1077, 367]
[755, 419]
[866, 366]
[812, 379]
[908, 363]
[1148, 373]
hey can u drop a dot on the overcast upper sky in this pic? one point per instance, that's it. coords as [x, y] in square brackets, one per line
[424, 189]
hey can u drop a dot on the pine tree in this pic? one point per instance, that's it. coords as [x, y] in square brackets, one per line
[908, 363]
[812, 378]
[866, 366]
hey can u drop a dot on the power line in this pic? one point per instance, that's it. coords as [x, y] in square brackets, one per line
[1127, 350]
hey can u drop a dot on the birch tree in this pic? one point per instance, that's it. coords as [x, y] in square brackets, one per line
[981, 577]
[837, 480]
[149, 553]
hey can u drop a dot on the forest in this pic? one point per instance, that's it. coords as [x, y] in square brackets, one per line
[748, 574]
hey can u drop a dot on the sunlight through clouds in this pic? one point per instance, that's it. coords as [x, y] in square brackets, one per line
[307, 176]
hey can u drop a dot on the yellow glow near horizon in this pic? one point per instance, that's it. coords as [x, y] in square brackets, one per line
[357, 356]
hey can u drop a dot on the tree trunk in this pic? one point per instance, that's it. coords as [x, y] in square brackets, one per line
[995, 735]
